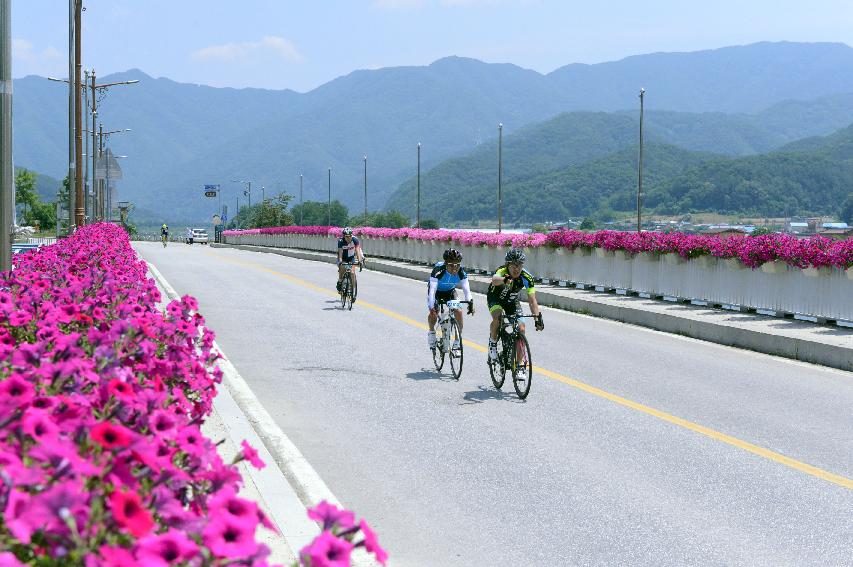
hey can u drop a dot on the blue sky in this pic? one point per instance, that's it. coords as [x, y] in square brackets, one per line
[303, 44]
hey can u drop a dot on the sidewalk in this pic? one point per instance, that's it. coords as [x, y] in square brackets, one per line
[809, 342]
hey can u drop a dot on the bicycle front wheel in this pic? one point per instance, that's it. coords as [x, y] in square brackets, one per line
[353, 291]
[438, 349]
[455, 349]
[497, 368]
[522, 367]
[345, 283]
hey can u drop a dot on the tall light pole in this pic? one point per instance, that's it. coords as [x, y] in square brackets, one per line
[365, 189]
[301, 206]
[79, 209]
[246, 192]
[101, 198]
[109, 196]
[329, 208]
[500, 175]
[418, 210]
[7, 177]
[640, 168]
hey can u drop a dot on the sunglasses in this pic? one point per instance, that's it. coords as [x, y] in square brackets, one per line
[454, 264]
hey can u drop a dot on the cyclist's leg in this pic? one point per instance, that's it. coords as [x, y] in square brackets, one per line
[340, 274]
[496, 311]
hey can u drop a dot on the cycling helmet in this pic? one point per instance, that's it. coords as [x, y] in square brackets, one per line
[452, 255]
[347, 231]
[515, 256]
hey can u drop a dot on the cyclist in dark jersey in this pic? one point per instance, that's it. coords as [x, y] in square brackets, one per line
[349, 249]
[442, 286]
[502, 296]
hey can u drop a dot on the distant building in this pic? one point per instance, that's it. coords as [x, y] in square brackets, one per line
[727, 231]
[837, 233]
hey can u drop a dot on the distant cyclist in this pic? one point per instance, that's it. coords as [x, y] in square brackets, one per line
[164, 233]
[443, 279]
[349, 249]
[502, 296]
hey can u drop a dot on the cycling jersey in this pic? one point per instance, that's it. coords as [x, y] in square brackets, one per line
[507, 295]
[441, 281]
[348, 254]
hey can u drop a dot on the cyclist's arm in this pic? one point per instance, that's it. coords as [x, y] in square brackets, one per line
[340, 255]
[531, 300]
[359, 253]
[498, 278]
[433, 286]
[466, 288]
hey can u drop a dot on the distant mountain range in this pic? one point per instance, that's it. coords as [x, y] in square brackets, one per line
[734, 100]
[592, 171]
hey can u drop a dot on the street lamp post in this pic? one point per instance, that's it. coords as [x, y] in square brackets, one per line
[640, 168]
[246, 192]
[301, 206]
[365, 189]
[418, 210]
[263, 194]
[109, 196]
[7, 176]
[329, 207]
[500, 175]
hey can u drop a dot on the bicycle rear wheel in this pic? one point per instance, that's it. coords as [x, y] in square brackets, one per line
[522, 367]
[497, 368]
[438, 349]
[455, 352]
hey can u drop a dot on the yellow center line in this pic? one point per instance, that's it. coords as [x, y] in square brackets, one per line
[669, 418]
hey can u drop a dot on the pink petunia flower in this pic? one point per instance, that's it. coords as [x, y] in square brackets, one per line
[230, 538]
[327, 550]
[371, 543]
[165, 549]
[250, 454]
[330, 515]
[111, 436]
[129, 513]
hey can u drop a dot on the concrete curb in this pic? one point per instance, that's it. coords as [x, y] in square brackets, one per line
[814, 352]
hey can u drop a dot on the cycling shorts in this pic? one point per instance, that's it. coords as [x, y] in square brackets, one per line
[506, 306]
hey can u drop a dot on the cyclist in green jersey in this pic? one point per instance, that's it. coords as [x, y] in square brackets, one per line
[502, 296]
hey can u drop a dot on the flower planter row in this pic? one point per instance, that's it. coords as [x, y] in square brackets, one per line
[777, 286]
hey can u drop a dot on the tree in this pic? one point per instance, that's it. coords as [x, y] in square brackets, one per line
[272, 212]
[430, 224]
[846, 212]
[316, 213]
[25, 190]
[587, 224]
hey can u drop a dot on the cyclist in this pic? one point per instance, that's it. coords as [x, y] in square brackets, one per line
[443, 279]
[503, 292]
[164, 233]
[349, 249]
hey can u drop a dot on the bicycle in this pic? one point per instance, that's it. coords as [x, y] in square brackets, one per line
[513, 355]
[349, 288]
[164, 238]
[448, 337]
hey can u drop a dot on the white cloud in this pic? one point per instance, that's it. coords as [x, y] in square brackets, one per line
[231, 52]
[23, 50]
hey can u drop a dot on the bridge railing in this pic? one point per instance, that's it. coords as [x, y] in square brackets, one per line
[823, 293]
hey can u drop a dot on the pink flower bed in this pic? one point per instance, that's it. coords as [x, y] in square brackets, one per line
[815, 252]
[102, 460]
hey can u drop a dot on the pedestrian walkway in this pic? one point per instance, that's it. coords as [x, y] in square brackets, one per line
[808, 342]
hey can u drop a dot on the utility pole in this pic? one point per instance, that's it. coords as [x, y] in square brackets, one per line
[365, 189]
[79, 209]
[500, 174]
[301, 206]
[640, 169]
[7, 176]
[72, 88]
[418, 210]
[329, 208]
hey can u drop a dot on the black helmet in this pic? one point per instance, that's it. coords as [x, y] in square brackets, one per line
[347, 231]
[452, 255]
[515, 256]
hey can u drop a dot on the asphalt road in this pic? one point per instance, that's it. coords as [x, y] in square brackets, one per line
[634, 447]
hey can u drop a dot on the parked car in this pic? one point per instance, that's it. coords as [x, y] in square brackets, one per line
[200, 236]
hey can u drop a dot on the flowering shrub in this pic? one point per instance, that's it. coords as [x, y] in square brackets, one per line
[815, 252]
[102, 461]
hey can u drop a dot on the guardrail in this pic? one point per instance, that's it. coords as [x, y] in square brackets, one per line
[775, 287]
